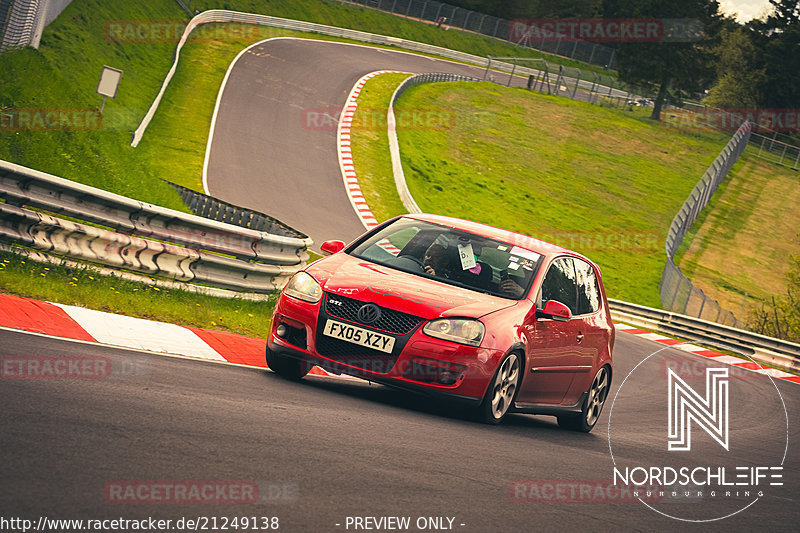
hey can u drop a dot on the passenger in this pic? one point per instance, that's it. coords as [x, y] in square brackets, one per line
[510, 287]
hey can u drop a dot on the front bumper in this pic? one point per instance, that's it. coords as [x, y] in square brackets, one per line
[418, 362]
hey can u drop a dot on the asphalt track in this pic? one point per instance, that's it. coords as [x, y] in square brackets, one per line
[328, 447]
[272, 151]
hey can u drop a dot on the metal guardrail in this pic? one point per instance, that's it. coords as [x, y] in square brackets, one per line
[676, 290]
[142, 237]
[778, 352]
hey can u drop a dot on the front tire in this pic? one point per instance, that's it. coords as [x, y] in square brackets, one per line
[592, 407]
[287, 367]
[502, 390]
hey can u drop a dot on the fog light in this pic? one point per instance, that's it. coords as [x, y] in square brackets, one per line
[280, 331]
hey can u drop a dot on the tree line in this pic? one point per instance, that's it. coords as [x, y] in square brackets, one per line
[755, 65]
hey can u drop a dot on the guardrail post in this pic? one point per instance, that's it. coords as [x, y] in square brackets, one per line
[511, 76]
[577, 80]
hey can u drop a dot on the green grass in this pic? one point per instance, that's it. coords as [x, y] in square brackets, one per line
[84, 287]
[737, 250]
[604, 182]
[63, 74]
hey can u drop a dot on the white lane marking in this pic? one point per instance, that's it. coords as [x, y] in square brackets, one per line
[140, 334]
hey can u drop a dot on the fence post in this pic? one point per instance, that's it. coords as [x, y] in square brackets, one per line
[514, 68]
[424, 7]
[558, 79]
[702, 304]
[577, 81]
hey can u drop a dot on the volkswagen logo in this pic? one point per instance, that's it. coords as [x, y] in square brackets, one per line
[369, 313]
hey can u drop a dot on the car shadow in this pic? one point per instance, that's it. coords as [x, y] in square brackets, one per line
[544, 427]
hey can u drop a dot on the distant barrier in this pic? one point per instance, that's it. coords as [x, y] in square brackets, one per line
[142, 237]
[448, 16]
[677, 291]
[778, 352]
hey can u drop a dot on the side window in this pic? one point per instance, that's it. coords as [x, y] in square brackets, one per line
[588, 293]
[559, 284]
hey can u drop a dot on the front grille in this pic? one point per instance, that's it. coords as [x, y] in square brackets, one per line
[391, 321]
[355, 355]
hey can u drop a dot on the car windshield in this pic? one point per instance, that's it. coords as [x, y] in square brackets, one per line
[451, 256]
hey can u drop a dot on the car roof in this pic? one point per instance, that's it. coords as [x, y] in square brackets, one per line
[510, 237]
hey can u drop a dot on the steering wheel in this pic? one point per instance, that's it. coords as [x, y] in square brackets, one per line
[410, 262]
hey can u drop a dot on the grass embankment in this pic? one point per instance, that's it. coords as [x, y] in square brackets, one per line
[737, 251]
[604, 182]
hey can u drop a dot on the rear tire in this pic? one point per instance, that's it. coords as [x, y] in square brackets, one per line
[502, 390]
[592, 407]
[288, 367]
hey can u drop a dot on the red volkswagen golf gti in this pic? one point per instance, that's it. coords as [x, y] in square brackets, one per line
[455, 308]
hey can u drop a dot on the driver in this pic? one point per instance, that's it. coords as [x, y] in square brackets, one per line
[436, 262]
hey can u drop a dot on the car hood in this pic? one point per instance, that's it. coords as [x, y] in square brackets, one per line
[363, 280]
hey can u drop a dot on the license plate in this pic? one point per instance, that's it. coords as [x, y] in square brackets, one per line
[360, 336]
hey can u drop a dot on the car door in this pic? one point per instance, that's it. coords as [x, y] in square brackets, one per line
[592, 328]
[552, 348]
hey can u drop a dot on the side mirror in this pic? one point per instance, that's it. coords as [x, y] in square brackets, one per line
[555, 311]
[332, 247]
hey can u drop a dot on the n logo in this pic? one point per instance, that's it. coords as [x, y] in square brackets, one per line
[709, 412]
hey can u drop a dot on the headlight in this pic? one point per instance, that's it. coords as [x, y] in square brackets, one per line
[304, 287]
[460, 330]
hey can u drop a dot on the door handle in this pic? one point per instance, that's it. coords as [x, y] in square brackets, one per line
[580, 337]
